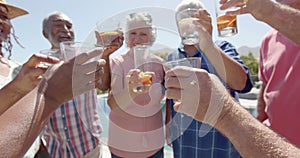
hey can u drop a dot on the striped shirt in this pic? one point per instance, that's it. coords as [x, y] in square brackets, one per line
[74, 129]
[194, 139]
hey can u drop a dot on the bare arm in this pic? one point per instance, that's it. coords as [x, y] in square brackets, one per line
[23, 121]
[229, 70]
[21, 124]
[251, 138]
[167, 121]
[106, 77]
[217, 108]
[25, 81]
[282, 18]
[261, 105]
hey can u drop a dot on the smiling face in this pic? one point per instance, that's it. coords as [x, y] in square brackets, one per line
[138, 36]
[5, 24]
[139, 29]
[58, 28]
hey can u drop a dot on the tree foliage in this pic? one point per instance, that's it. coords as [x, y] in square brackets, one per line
[252, 64]
[161, 54]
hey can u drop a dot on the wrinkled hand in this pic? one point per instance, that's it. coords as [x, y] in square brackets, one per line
[261, 114]
[208, 94]
[204, 20]
[65, 80]
[204, 28]
[135, 80]
[31, 72]
[258, 8]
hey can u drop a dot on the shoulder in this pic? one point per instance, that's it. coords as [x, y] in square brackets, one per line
[224, 44]
[120, 58]
[269, 35]
[172, 55]
[227, 47]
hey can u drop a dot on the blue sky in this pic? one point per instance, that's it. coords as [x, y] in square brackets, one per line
[85, 15]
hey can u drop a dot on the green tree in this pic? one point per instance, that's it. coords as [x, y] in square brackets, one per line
[101, 92]
[161, 54]
[252, 64]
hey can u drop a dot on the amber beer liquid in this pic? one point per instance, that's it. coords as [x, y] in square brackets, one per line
[110, 38]
[227, 25]
[146, 81]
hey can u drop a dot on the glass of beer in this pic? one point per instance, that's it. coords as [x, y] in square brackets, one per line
[109, 33]
[142, 61]
[227, 24]
[186, 26]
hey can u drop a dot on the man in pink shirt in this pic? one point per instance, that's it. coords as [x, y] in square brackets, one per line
[279, 64]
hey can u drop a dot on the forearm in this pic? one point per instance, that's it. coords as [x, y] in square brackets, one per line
[251, 138]
[168, 113]
[21, 124]
[9, 95]
[261, 105]
[229, 70]
[284, 19]
[105, 77]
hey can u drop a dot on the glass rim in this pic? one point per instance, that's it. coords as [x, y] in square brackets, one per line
[81, 44]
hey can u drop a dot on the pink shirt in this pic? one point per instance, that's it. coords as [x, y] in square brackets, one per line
[280, 70]
[137, 131]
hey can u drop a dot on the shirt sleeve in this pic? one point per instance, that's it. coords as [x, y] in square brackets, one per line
[230, 50]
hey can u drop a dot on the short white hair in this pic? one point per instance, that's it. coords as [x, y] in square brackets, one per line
[193, 4]
[46, 20]
[145, 20]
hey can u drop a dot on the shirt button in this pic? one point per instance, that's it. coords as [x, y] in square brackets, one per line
[63, 116]
[65, 128]
[182, 116]
[68, 140]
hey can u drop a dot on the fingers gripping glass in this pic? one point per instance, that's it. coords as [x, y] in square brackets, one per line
[194, 62]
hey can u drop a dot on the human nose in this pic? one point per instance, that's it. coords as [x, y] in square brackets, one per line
[137, 38]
